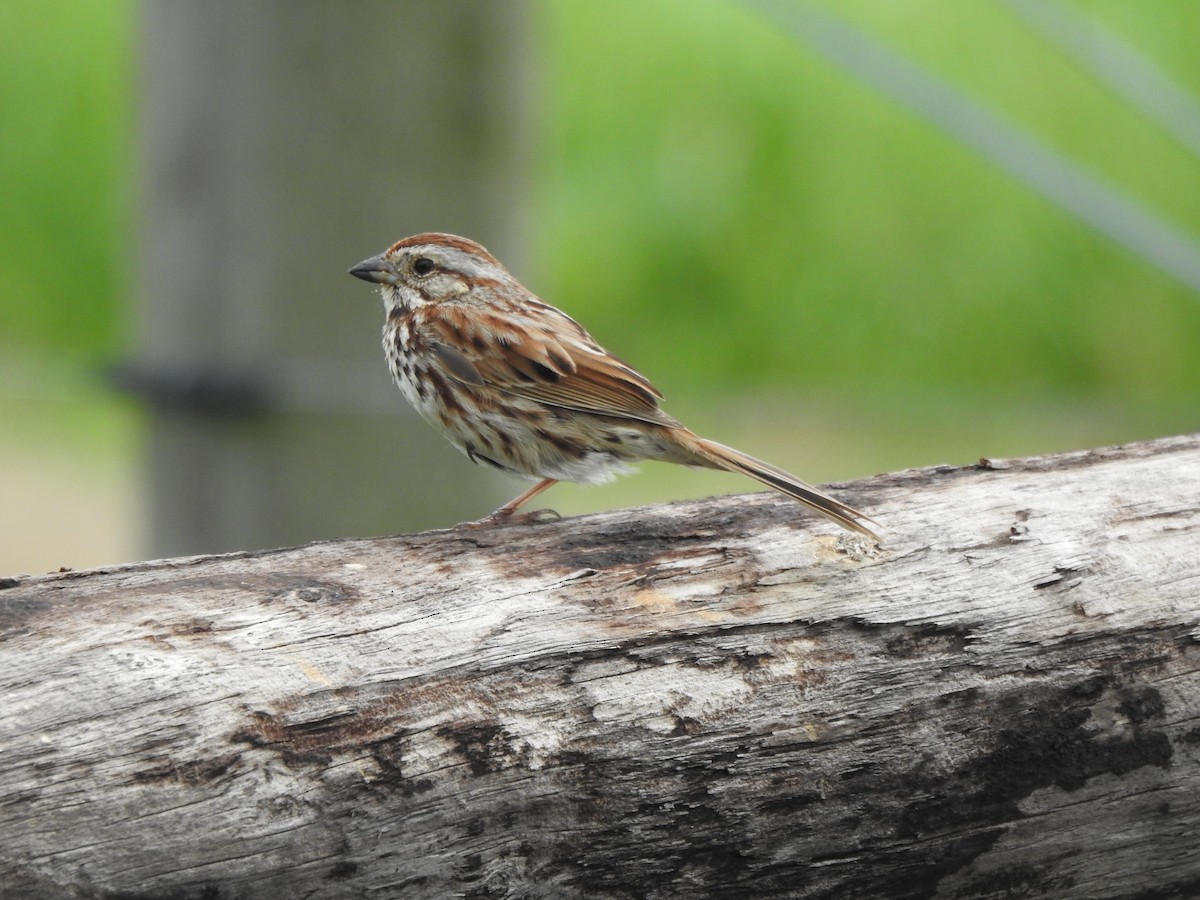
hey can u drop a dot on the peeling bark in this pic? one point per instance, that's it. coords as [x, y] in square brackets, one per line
[725, 698]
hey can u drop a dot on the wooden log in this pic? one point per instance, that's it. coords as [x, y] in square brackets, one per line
[724, 698]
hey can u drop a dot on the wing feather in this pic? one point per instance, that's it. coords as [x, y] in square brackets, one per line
[542, 355]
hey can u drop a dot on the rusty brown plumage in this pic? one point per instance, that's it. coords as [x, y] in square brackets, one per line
[517, 384]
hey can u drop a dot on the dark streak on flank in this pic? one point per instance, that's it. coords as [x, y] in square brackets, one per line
[445, 393]
[507, 444]
[564, 446]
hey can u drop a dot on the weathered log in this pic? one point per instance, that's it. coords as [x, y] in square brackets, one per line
[724, 698]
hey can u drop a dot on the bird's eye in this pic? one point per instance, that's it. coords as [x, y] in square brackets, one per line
[423, 265]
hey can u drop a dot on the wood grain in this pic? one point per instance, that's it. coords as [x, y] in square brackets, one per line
[723, 698]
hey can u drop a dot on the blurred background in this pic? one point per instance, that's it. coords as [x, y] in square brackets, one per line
[847, 236]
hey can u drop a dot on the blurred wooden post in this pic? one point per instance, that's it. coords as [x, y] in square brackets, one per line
[285, 141]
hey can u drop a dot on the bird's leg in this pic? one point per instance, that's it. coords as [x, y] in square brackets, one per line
[504, 513]
[517, 502]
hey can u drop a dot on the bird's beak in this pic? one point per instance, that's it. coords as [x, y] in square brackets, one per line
[376, 270]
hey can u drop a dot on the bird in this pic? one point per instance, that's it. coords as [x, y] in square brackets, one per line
[518, 385]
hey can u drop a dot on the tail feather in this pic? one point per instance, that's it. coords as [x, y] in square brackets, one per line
[731, 460]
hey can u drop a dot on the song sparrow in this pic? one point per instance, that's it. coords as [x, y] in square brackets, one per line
[519, 385]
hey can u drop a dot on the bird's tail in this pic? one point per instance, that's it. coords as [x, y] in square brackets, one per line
[721, 457]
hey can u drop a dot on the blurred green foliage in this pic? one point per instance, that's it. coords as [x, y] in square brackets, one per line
[760, 215]
[66, 108]
[768, 218]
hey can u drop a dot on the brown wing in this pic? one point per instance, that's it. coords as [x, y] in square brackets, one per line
[541, 354]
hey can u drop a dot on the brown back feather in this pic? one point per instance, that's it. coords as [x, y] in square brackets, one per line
[541, 355]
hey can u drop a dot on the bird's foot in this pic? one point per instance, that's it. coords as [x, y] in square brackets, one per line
[505, 516]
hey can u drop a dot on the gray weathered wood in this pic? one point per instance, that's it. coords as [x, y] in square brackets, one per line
[715, 699]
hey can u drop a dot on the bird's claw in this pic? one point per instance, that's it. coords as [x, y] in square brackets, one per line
[509, 517]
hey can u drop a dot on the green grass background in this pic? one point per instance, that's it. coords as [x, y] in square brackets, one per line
[806, 230]
[792, 257]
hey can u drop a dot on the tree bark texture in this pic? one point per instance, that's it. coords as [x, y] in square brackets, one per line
[726, 698]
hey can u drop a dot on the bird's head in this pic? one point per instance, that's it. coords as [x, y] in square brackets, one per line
[429, 268]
